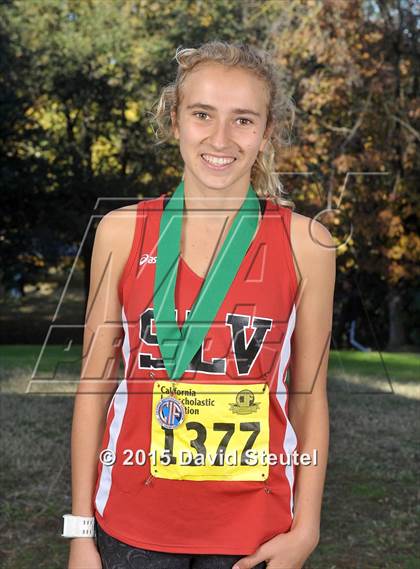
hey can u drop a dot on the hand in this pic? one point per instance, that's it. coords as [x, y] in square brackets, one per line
[284, 551]
[84, 554]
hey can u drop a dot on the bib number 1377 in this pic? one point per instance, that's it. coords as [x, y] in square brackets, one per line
[199, 444]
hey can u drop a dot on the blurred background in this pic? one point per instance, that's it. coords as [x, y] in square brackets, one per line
[78, 81]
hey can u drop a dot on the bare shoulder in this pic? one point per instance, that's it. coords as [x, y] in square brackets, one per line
[312, 244]
[112, 245]
[116, 229]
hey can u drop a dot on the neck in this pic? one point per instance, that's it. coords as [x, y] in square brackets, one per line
[200, 197]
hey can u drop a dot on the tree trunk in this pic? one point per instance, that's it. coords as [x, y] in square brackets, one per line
[397, 337]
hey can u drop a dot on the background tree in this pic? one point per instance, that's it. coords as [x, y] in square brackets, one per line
[355, 70]
[79, 80]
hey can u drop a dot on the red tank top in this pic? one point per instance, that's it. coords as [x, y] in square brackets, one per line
[249, 343]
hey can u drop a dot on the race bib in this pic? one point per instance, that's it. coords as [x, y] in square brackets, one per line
[209, 431]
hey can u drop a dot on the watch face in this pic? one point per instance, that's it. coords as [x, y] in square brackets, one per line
[63, 527]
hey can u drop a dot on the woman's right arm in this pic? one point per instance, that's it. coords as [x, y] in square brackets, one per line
[99, 374]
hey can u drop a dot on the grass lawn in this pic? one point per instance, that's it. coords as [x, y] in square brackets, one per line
[370, 508]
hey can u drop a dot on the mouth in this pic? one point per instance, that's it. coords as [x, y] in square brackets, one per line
[216, 162]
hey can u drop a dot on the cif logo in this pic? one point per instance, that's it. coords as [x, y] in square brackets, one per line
[146, 258]
[170, 412]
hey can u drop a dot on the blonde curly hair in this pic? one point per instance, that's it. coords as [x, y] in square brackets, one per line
[281, 112]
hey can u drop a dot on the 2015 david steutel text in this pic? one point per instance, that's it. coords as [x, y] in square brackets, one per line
[249, 457]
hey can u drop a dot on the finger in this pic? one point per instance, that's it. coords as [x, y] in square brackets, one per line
[249, 561]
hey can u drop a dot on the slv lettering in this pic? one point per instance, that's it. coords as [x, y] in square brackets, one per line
[245, 352]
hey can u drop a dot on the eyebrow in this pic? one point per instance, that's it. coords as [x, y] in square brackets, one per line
[210, 108]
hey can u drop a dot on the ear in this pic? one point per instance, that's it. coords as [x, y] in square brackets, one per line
[268, 132]
[175, 125]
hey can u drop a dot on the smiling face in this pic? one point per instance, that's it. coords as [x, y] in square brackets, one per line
[221, 126]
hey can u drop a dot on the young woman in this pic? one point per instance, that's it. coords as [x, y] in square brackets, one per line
[215, 292]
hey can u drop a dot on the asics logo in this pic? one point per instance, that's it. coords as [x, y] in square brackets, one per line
[146, 258]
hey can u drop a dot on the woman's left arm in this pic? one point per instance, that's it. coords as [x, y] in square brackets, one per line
[308, 403]
[315, 256]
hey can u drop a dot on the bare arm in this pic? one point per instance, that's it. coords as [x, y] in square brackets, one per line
[308, 404]
[99, 374]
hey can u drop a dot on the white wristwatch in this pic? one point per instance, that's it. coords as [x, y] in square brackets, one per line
[78, 526]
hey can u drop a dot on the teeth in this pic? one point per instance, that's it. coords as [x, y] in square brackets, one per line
[218, 161]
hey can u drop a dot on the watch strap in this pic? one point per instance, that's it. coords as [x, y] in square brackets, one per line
[78, 526]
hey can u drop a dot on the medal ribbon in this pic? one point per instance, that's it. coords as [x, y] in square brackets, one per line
[178, 346]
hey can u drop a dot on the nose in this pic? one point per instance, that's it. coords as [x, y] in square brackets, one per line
[220, 135]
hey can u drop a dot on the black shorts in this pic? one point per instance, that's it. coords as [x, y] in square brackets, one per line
[116, 554]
